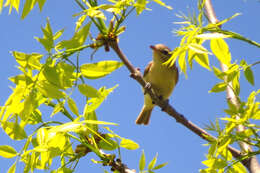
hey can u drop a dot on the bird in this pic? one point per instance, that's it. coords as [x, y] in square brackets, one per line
[160, 77]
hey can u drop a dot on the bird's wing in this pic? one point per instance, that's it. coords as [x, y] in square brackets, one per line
[147, 68]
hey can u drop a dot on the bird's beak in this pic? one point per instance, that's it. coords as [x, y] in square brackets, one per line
[153, 47]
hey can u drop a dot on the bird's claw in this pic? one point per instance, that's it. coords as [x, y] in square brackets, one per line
[165, 105]
[147, 86]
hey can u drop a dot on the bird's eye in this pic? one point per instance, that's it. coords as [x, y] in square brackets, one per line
[165, 52]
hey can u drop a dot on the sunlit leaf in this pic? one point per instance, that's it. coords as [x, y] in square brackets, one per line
[203, 60]
[28, 60]
[14, 130]
[99, 69]
[182, 62]
[49, 90]
[142, 162]
[47, 40]
[198, 48]
[58, 108]
[7, 151]
[12, 169]
[73, 107]
[153, 162]
[249, 75]
[221, 50]
[77, 40]
[28, 6]
[140, 6]
[163, 4]
[128, 144]
[94, 103]
[160, 166]
[88, 91]
[219, 87]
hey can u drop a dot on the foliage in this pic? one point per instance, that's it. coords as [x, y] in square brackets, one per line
[50, 80]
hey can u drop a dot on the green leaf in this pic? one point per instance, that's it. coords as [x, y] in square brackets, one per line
[218, 73]
[142, 162]
[57, 108]
[28, 6]
[41, 4]
[140, 6]
[160, 166]
[47, 40]
[58, 34]
[219, 87]
[12, 168]
[182, 62]
[128, 144]
[28, 60]
[221, 50]
[239, 168]
[109, 144]
[249, 75]
[88, 91]
[1, 5]
[77, 40]
[91, 116]
[94, 103]
[14, 130]
[163, 4]
[7, 151]
[50, 90]
[198, 48]
[99, 69]
[73, 107]
[203, 60]
[153, 162]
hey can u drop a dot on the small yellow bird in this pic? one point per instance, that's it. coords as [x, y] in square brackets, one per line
[162, 78]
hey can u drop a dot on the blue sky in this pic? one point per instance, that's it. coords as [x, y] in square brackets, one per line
[176, 145]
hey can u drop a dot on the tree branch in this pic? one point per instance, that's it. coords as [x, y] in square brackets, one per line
[135, 73]
[251, 163]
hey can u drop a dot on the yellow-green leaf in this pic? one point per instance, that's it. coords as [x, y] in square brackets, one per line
[77, 40]
[198, 48]
[140, 5]
[160, 166]
[14, 130]
[73, 107]
[128, 144]
[47, 40]
[219, 87]
[142, 162]
[182, 62]
[99, 69]
[88, 90]
[203, 60]
[28, 6]
[163, 4]
[249, 75]
[28, 60]
[153, 162]
[7, 151]
[221, 50]
[12, 168]
[50, 90]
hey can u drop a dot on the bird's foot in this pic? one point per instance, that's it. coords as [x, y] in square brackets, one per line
[147, 86]
[166, 104]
